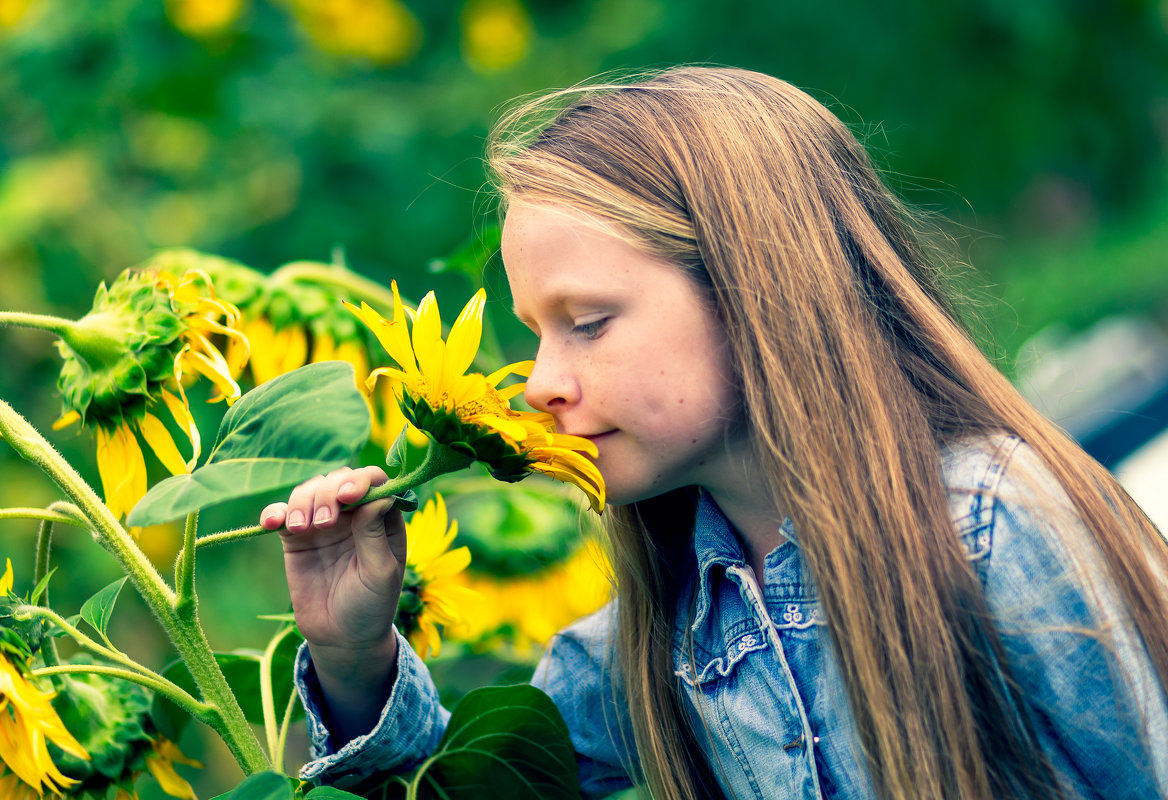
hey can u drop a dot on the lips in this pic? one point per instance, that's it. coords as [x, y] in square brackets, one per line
[597, 438]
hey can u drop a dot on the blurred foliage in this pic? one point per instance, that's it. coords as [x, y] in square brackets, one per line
[271, 131]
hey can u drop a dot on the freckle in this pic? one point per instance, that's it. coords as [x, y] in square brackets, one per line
[693, 441]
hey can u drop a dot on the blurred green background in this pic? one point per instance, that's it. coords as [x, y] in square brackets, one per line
[276, 130]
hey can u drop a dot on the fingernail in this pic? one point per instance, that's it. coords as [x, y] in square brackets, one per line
[269, 519]
[322, 517]
[346, 487]
[295, 519]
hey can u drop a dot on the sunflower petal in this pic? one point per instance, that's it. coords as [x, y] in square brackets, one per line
[160, 441]
[462, 345]
[67, 419]
[182, 415]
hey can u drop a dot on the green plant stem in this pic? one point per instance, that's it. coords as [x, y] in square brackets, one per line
[267, 698]
[285, 723]
[44, 322]
[235, 534]
[44, 545]
[46, 514]
[184, 629]
[195, 708]
[91, 644]
[439, 460]
[184, 578]
[338, 276]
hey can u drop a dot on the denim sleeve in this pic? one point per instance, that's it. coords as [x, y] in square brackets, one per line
[408, 731]
[1092, 692]
[578, 673]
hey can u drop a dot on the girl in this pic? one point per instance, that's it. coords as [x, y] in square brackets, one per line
[851, 560]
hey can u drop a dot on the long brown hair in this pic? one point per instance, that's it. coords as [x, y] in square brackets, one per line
[817, 274]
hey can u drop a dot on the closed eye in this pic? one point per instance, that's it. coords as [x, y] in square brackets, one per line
[592, 329]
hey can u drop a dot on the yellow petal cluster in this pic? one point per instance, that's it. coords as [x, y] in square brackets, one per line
[28, 722]
[433, 372]
[534, 606]
[444, 600]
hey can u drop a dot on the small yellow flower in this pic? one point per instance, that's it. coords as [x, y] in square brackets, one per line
[383, 31]
[27, 722]
[203, 17]
[467, 411]
[431, 596]
[496, 34]
[125, 363]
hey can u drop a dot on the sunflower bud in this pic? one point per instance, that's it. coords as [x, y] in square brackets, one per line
[118, 353]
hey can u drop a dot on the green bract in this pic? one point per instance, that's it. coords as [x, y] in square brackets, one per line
[110, 719]
[474, 441]
[121, 351]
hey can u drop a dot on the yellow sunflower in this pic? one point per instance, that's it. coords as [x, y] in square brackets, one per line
[430, 594]
[468, 412]
[28, 722]
[124, 367]
[534, 606]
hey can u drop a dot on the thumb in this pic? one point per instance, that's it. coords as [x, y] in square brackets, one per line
[379, 534]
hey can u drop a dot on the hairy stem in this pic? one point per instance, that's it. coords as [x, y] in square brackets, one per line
[47, 514]
[184, 578]
[44, 545]
[196, 708]
[57, 325]
[185, 631]
[439, 460]
[267, 698]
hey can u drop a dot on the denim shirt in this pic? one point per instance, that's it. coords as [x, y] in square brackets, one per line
[762, 677]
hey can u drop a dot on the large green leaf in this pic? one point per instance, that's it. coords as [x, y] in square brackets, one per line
[502, 741]
[301, 424]
[262, 786]
[241, 669]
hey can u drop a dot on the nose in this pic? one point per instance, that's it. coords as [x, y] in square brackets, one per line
[551, 386]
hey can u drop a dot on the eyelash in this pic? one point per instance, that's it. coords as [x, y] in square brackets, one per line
[591, 330]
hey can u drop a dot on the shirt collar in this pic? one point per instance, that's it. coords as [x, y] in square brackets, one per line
[715, 545]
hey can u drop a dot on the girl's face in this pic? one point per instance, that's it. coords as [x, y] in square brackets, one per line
[630, 355]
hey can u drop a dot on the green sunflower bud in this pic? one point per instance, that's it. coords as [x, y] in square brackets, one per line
[110, 719]
[121, 351]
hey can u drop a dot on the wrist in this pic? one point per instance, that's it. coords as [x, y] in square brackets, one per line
[356, 682]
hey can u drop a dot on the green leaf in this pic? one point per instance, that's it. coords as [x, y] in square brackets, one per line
[262, 786]
[303, 423]
[395, 457]
[502, 741]
[171, 719]
[330, 793]
[99, 608]
[41, 586]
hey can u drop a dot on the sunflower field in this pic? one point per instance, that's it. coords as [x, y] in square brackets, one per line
[243, 242]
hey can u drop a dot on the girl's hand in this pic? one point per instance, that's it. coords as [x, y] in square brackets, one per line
[344, 571]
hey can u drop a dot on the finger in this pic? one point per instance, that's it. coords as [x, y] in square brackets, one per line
[379, 535]
[272, 517]
[298, 514]
[354, 483]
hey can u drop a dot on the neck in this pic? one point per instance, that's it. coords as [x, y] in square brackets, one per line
[745, 499]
